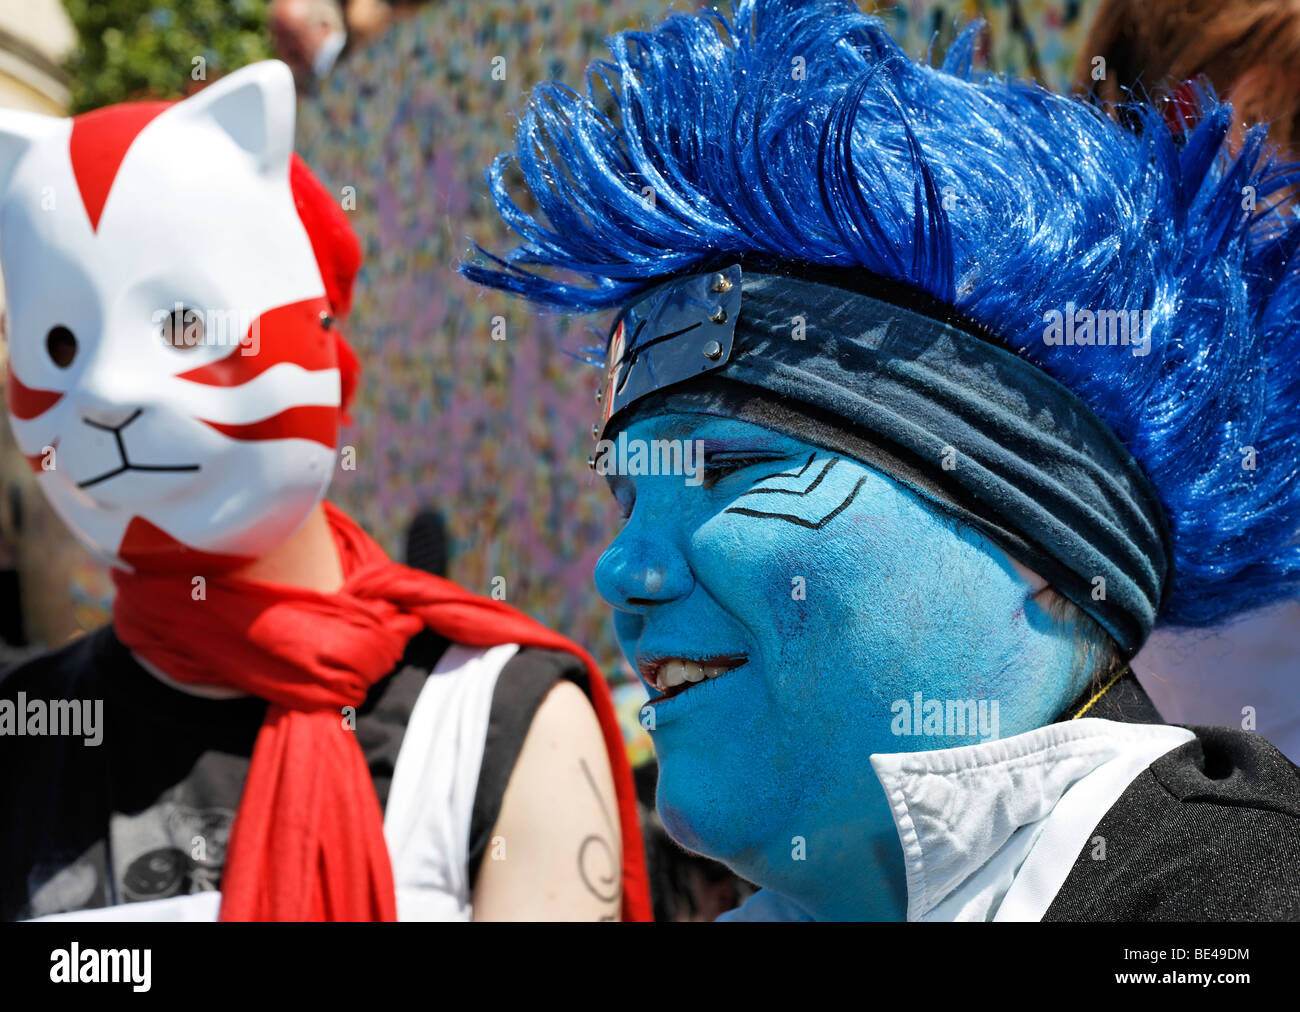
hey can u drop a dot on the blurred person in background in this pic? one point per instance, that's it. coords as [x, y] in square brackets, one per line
[1247, 674]
[369, 19]
[366, 20]
[427, 544]
[1248, 49]
[308, 35]
[279, 723]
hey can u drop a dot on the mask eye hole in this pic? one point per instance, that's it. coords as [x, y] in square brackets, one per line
[182, 329]
[61, 344]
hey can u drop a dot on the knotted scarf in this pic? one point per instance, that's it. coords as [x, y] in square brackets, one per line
[308, 841]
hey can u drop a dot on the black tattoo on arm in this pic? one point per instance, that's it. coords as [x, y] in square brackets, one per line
[598, 866]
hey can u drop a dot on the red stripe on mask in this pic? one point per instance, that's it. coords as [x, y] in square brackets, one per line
[36, 461]
[146, 546]
[25, 402]
[99, 142]
[318, 423]
[292, 333]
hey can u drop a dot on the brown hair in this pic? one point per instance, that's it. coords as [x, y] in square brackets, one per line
[1248, 49]
[1096, 654]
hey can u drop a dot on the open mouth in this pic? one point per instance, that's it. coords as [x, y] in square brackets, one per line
[671, 676]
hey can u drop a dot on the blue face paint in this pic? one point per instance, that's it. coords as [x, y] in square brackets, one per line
[833, 596]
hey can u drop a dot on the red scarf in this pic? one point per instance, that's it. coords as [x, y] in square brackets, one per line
[308, 840]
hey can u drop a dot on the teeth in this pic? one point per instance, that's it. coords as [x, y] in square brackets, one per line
[672, 673]
[682, 672]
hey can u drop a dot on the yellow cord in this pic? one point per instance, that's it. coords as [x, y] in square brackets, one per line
[1102, 692]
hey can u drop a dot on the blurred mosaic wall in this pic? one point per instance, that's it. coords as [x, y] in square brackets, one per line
[493, 433]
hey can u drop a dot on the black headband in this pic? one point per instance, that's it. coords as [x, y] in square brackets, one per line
[930, 400]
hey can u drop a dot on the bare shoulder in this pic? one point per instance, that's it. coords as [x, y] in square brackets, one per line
[566, 711]
[555, 850]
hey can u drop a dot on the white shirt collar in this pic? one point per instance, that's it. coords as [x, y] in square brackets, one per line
[990, 831]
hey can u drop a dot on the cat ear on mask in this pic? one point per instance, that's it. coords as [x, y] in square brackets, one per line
[19, 131]
[255, 107]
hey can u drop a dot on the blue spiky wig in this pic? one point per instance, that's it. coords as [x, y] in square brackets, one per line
[799, 134]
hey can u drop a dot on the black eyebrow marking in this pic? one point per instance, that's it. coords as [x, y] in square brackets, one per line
[793, 491]
[812, 525]
[795, 474]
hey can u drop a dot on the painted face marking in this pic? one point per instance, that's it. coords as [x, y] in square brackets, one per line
[796, 494]
[789, 474]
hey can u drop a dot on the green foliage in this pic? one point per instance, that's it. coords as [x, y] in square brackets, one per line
[160, 49]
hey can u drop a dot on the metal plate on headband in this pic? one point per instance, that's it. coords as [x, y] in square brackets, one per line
[679, 330]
